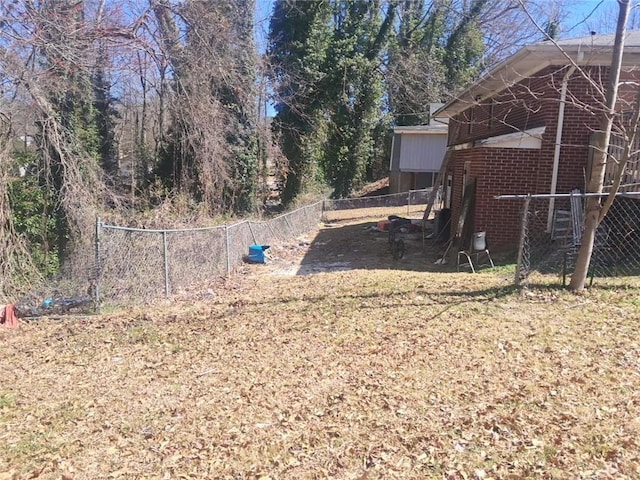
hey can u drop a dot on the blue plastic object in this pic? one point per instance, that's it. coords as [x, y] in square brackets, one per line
[256, 253]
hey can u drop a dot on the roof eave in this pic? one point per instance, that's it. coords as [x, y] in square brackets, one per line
[422, 130]
[514, 69]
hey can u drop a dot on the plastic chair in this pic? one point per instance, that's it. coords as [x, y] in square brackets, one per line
[478, 248]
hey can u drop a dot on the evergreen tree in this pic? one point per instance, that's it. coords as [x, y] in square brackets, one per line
[105, 117]
[71, 94]
[238, 95]
[464, 46]
[437, 49]
[415, 74]
[355, 84]
[299, 34]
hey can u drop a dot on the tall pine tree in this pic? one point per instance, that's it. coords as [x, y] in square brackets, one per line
[299, 36]
[355, 86]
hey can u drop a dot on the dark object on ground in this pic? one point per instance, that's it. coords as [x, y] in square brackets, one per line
[443, 225]
[401, 225]
[56, 306]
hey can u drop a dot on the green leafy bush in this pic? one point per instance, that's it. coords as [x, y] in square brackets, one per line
[33, 218]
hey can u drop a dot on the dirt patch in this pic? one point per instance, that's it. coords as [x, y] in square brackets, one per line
[380, 187]
[348, 245]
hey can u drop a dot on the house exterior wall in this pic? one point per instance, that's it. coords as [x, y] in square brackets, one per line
[396, 145]
[499, 171]
[400, 182]
[404, 181]
[422, 153]
[416, 159]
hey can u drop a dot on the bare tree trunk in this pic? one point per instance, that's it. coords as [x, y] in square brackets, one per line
[600, 158]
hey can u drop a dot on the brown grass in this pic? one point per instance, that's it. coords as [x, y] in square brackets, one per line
[360, 374]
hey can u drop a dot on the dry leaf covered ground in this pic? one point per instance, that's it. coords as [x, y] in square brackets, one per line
[363, 373]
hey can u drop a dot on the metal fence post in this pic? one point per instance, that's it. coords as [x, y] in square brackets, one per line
[523, 238]
[323, 213]
[226, 234]
[286, 220]
[98, 267]
[253, 236]
[167, 287]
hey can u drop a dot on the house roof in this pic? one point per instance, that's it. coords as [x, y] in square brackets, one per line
[592, 50]
[423, 129]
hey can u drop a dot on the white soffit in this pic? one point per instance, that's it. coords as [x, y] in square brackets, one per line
[442, 129]
[531, 138]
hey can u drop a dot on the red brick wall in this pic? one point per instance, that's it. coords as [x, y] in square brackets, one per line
[500, 171]
[529, 104]
[497, 172]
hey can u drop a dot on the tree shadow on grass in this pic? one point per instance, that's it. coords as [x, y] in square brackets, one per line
[339, 247]
[432, 299]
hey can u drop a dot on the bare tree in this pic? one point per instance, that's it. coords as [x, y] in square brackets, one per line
[53, 55]
[211, 148]
[17, 271]
[595, 211]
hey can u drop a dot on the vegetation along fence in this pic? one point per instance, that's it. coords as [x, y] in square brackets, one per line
[136, 265]
[551, 233]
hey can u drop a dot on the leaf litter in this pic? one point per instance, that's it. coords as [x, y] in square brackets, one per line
[360, 374]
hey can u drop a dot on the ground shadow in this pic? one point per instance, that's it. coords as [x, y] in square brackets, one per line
[361, 246]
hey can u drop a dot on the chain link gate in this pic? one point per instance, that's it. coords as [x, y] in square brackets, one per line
[551, 231]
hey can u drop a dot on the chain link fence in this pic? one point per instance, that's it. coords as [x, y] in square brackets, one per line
[408, 204]
[551, 232]
[136, 265]
[129, 265]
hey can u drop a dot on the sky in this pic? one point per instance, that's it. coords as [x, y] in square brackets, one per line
[585, 16]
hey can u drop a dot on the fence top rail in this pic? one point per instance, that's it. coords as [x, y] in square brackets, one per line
[155, 230]
[197, 229]
[319, 202]
[350, 199]
[564, 195]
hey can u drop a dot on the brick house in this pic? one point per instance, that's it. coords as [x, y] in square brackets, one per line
[526, 127]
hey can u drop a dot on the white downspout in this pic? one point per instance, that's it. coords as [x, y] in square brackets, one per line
[556, 152]
[393, 143]
[391, 175]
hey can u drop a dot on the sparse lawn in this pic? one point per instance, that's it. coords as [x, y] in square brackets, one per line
[351, 375]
